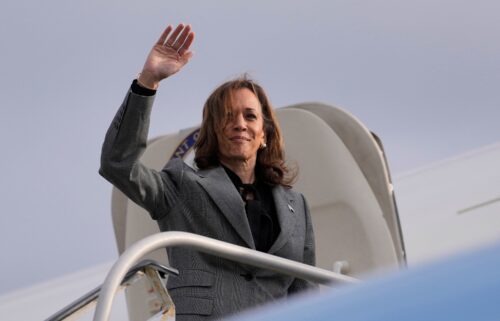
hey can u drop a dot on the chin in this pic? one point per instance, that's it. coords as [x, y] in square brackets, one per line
[238, 157]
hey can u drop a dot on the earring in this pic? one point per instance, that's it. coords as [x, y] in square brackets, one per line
[263, 145]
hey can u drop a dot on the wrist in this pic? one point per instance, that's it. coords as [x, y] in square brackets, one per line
[140, 90]
[146, 81]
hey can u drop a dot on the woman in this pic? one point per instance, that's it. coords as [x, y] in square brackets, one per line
[239, 194]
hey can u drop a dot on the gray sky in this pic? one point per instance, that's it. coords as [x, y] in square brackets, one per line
[424, 75]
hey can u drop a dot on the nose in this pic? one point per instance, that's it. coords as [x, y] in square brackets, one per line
[239, 123]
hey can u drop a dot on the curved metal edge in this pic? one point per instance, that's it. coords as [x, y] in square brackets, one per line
[402, 248]
[210, 246]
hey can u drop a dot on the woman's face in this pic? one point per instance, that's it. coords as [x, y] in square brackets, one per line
[243, 133]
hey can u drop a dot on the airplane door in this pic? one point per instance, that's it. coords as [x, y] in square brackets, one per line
[343, 174]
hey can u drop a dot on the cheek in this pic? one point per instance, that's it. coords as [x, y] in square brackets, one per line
[220, 141]
[224, 145]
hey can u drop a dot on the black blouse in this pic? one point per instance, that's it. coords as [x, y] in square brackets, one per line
[260, 210]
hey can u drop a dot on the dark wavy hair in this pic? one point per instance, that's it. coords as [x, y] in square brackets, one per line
[270, 165]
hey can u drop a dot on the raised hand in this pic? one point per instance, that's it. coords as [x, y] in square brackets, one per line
[168, 56]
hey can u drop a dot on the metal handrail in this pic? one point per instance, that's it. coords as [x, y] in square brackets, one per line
[207, 245]
[92, 295]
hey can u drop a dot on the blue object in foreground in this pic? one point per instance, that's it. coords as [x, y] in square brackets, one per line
[465, 287]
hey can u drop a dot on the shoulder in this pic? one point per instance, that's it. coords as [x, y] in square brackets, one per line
[292, 193]
[177, 168]
[176, 165]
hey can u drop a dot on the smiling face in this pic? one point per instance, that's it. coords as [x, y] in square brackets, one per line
[243, 132]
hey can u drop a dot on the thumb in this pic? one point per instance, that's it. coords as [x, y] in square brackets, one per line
[187, 56]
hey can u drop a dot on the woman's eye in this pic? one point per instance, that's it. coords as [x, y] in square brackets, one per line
[251, 116]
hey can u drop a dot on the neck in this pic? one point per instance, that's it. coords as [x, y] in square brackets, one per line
[245, 169]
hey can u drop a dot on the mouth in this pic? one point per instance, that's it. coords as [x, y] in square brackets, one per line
[239, 139]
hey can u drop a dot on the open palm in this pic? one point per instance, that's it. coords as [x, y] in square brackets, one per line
[168, 55]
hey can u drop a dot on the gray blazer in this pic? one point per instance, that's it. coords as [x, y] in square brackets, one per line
[204, 202]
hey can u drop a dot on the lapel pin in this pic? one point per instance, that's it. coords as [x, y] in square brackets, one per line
[291, 208]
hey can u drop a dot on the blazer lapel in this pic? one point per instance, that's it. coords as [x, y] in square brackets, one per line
[222, 191]
[286, 217]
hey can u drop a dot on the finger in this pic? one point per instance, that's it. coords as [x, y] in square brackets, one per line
[178, 43]
[186, 57]
[174, 35]
[185, 46]
[164, 35]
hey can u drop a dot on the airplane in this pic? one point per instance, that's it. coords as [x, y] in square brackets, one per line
[360, 229]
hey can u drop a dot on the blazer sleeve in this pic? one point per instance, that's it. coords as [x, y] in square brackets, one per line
[309, 254]
[124, 144]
